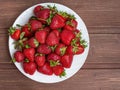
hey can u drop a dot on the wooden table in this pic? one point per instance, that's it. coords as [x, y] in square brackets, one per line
[101, 70]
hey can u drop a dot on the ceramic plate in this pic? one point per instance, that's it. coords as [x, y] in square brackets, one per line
[78, 60]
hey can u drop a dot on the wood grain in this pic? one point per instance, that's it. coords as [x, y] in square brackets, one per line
[101, 70]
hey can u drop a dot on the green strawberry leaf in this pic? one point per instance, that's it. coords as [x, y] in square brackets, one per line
[36, 42]
[54, 63]
[22, 35]
[63, 50]
[62, 74]
[13, 60]
[54, 8]
[50, 18]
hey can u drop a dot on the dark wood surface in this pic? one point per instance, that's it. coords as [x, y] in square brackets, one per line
[101, 70]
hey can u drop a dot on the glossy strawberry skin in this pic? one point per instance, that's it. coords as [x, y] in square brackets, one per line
[43, 15]
[40, 60]
[46, 69]
[58, 70]
[52, 39]
[53, 56]
[27, 30]
[29, 53]
[19, 56]
[35, 25]
[44, 49]
[80, 49]
[29, 67]
[32, 42]
[66, 36]
[57, 22]
[37, 9]
[69, 50]
[60, 49]
[66, 60]
[16, 34]
[41, 36]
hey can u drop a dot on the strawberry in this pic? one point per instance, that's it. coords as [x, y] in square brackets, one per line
[43, 15]
[29, 53]
[26, 28]
[29, 67]
[41, 36]
[18, 56]
[52, 39]
[37, 9]
[53, 56]
[40, 60]
[47, 29]
[44, 49]
[66, 60]
[79, 49]
[66, 36]
[60, 49]
[32, 42]
[35, 25]
[59, 70]
[14, 33]
[71, 25]
[57, 22]
[45, 69]
[56, 32]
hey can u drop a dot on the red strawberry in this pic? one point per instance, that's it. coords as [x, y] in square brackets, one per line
[40, 60]
[47, 29]
[14, 33]
[45, 69]
[66, 60]
[29, 53]
[32, 42]
[60, 49]
[57, 22]
[43, 15]
[35, 25]
[67, 36]
[52, 39]
[71, 25]
[44, 49]
[29, 67]
[53, 56]
[37, 9]
[58, 70]
[19, 56]
[56, 32]
[70, 50]
[80, 49]
[26, 28]
[41, 36]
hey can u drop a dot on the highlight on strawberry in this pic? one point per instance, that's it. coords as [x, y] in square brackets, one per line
[48, 42]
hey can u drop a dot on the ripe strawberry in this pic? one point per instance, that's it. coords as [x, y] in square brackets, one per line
[27, 29]
[35, 25]
[47, 29]
[45, 69]
[66, 60]
[29, 67]
[59, 70]
[29, 53]
[41, 36]
[60, 49]
[80, 49]
[14, 33]
[19, 56]
[44, 49]
[53, 56]
[57, 22]
[67, 36]
[32, 42]
[37, 9]
[40, 60]
[71, 25]
[43, 15]
[56, 32]
[52, 39]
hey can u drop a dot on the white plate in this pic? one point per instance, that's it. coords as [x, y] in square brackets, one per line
[78, 59]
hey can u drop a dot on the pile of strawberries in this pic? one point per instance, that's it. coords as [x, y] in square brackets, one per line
[48, 42]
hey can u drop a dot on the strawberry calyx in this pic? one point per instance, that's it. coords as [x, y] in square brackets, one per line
[53, 48]
[54, 63]
[63, 50]
[50, 18]
[36, 43]
[62, 74]
[11, 30]
[26, 60]
[54, 8]
[70, 23]
[13, 60]
[39, 54]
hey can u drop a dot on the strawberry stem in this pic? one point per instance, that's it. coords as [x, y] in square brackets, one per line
[62, 74]
[54, 63]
